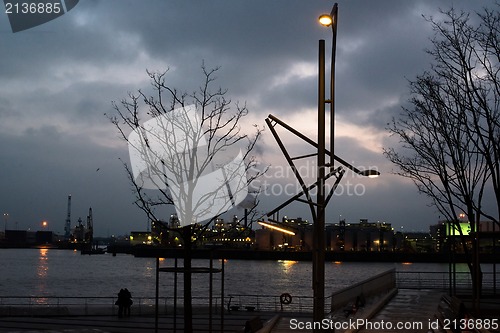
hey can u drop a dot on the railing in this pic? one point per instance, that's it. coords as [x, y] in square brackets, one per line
[96, 305]
[441, 280]
[93, 305]
[269, 303]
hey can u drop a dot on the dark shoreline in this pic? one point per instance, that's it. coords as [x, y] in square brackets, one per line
[246, 254]
[305, 256]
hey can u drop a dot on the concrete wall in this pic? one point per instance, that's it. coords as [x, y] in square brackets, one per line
[378, 284]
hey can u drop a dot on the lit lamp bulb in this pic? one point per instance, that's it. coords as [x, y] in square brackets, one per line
[325, 20]
[370, 173]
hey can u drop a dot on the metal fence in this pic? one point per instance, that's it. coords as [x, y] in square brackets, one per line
[75, 306]
[273, 303]
[441, 280]
[96, 305]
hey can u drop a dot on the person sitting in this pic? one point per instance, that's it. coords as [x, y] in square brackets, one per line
[127, 302]
[121, 302]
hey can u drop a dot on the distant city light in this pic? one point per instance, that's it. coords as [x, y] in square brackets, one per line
[270, 226]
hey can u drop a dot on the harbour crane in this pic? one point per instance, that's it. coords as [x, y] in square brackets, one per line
[67, 226]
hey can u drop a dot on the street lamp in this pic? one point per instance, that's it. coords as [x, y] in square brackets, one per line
[370, 173]
[326, 20]
[324, 170]
[318, 259]
[331, 20]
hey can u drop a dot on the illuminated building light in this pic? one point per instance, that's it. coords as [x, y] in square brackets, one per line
[270, 226]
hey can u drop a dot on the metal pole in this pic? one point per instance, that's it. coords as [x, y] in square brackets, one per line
[222, 296]
[450, 258]
[175, 291]
[454, 266]
[210, 292]
[157, 291]
[332, 83]
[319, 225]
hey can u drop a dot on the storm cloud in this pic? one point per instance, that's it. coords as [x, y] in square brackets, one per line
[58, 80]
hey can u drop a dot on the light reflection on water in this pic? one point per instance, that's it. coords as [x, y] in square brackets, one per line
[42, 274]
[49, 272]
[43, 266]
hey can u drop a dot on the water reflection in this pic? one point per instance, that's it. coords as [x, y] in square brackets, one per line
[43, 266]
[42, 271]
[150, 267]
[287, 264]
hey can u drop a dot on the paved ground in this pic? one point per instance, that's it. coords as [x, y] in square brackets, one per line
[409, 310]
[413, 308]
[304, 324]
[233, 322]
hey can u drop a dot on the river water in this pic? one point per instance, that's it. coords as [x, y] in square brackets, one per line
[51, 272]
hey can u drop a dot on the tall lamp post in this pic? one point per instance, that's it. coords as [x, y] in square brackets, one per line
[319, 226]
[331, 20]
[318, 205]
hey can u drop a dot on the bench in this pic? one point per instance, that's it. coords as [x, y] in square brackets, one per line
[450, 308]
[249, 308]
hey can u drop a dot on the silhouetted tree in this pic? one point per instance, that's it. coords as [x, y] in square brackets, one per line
[450, 135]
[190, 151]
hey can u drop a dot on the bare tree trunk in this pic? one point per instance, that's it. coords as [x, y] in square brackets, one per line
[188, 304]
[477, 280]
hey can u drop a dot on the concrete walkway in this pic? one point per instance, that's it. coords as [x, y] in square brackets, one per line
[234, 322]
[409, 311]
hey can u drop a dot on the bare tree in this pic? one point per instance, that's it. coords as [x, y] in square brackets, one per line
[450, 136]
[190, 151]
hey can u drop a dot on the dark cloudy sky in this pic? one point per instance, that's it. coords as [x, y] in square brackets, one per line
[58, 80]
